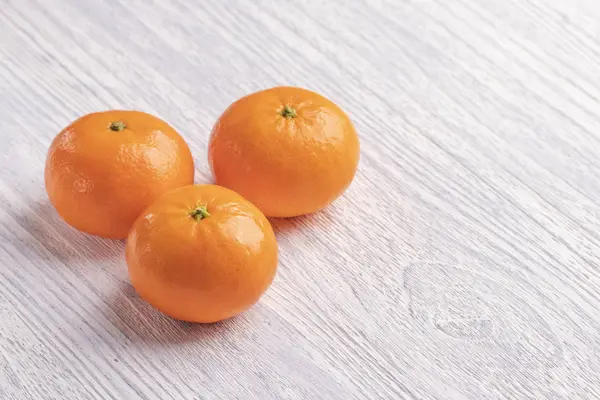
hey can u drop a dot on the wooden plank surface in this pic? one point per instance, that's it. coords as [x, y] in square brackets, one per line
[463, 262]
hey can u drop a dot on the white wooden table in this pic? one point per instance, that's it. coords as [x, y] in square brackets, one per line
[463, 263]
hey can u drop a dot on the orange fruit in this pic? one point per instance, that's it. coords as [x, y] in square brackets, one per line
[201, 253]
[106, 167]
[288, 150]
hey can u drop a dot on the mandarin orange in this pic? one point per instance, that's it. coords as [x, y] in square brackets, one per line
[201, 253]
[288, 150]
[106, 167]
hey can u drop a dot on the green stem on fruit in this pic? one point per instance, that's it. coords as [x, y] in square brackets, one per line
[117, 126]
[199, 213]
[288, 112]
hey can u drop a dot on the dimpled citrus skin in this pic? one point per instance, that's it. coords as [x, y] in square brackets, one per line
[100, 179]
[201, 253]
[288, 150]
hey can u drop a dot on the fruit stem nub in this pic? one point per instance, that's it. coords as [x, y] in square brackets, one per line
[199, 213]
[288, 112]
[117, 126]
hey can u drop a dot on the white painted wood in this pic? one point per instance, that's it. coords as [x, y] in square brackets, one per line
[463, 263]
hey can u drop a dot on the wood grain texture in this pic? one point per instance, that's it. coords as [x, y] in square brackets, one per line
[463, 262]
